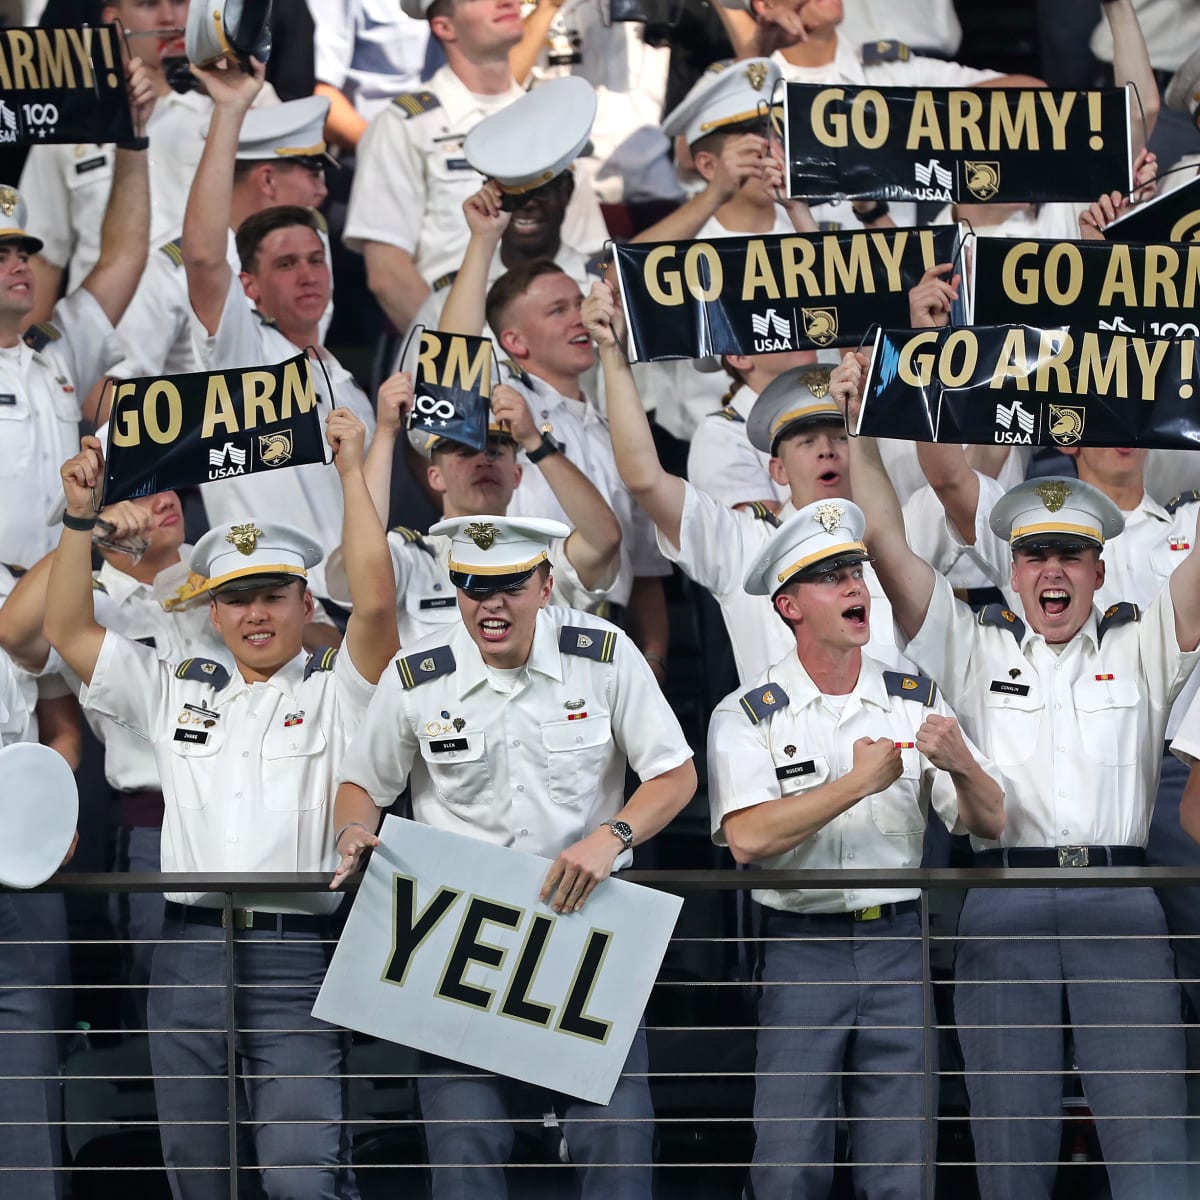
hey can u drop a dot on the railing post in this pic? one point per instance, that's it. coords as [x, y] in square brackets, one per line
[929, 1019]
[231, 1090]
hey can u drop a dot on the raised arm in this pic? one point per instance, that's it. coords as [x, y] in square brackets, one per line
[1131, 64]
[371, 635]
[595, 541]
[210, 202]
[392, 403]
[980, 795]
[524, 55]
[71, 624]
[907, 578]
[22, 615]
[464, 308]
[125, 231]
[1185, 596]
[660, 493]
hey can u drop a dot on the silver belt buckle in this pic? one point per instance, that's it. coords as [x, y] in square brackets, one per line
[1072, 856]
[243, 918]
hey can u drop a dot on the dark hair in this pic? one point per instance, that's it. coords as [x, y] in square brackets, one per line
[736, 380]
[439, 8]
[254, 228]
[513, 284]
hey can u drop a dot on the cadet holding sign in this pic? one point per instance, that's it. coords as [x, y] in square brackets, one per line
[515, 729]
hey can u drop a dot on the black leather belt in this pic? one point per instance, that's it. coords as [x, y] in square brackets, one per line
[1062, 856]
[248, 918]
[873, 913]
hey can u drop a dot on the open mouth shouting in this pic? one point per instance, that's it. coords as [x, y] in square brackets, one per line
[1054, 601]
[494, 629]
[856, 615]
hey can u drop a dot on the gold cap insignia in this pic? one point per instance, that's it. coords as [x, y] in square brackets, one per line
[768, 698]
[8, 201]
[829, 516]
[274, 449]
[1066, 424]
[983, 179]
[1053, 494]
[757, 74]
[820, 324]
[244, 538]
[482, 533]
[817, 383]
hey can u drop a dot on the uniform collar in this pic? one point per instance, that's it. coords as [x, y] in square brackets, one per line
[118, 584]
[286, 680]
[456, 99]
[869, 688]
[1088, 632]
[471, 671]
[1149, 507]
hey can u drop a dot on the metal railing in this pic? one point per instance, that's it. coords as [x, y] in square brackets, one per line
[701, 1028]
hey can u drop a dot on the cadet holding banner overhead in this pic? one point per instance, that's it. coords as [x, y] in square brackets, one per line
[246, 759]
[831, 761]
[286, 274]
[1074, 716]
[515, 729]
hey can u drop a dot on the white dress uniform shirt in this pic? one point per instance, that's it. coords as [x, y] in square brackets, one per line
[1171, 29]
[809, 742]
[583, 435]
[40, 394]
[918, 71]
[1170, 472]
[309, 496]
[66, 187]
[134, 610]
[156, 328]
[16, 712]
[717, 546]
[931, 535]
[631, 154]
[721, 460]
[427, 601]
[928, 24]
[253, 791]
[369, 50]
[532, 758]
[1079, 750]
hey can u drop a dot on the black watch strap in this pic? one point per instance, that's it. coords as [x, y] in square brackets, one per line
[548, 447]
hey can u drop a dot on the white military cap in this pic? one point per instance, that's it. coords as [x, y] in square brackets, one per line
[13, 216]
[232, 29]
[41, 811]
[797, 397]
[254, 554]
[1055, 511]
[288, 132]
[494, 552]
[537, 137]
[417, 9]
[726, 94]
[820, 537]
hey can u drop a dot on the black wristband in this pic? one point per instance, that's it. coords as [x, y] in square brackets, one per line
[135, 143]
[548, 447]
[872, 215]
[81, 524]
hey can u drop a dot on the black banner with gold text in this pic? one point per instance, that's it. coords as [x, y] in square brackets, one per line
[763, 295]
[179, 430]
[969, 145]
[452, 387]
[1018, 385]
[1172, 217]
[62, 85]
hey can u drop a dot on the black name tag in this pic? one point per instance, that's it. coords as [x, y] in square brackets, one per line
[448, 744]
[7, 398]
[89, 164]
[458, 164]
[1009, 689]
[439, 602]
[792, 770]
[147, 641]
[198, 736]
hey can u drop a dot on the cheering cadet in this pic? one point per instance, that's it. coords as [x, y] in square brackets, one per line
[246, 759]
[831, 761]
[1072, 707]
[548, 703]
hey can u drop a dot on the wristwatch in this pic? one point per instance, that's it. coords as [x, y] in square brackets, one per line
[548, 447]
[624, 831]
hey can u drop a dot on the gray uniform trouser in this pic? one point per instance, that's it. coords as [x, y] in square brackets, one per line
[289, 1064]
[1105, 951]
[30, 1096]
[469, 1135]
[841, 1009]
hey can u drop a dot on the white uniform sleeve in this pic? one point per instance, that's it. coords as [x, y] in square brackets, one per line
[154, 323]
[382, 752]
[741, 772]
[643, 724]
[727, 468]
[946, 644]
[1164, 666]
[129, 685]
[89, 343]
[333, 40]
[387, 200]
[712, 540]
[237, 341]
[569, 591]
[922, 71]
[943, 797]
[353, 691]
[44, 189]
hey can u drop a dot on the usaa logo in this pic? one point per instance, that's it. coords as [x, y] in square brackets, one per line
[772, 332]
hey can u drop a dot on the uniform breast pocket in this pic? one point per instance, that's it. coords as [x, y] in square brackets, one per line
[1013, 723]
[797, 774]
[288, 753]
[897, 811]
[16, 433]
[458, 767]
[193, 753]
[1109, 715]
[577, 755]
